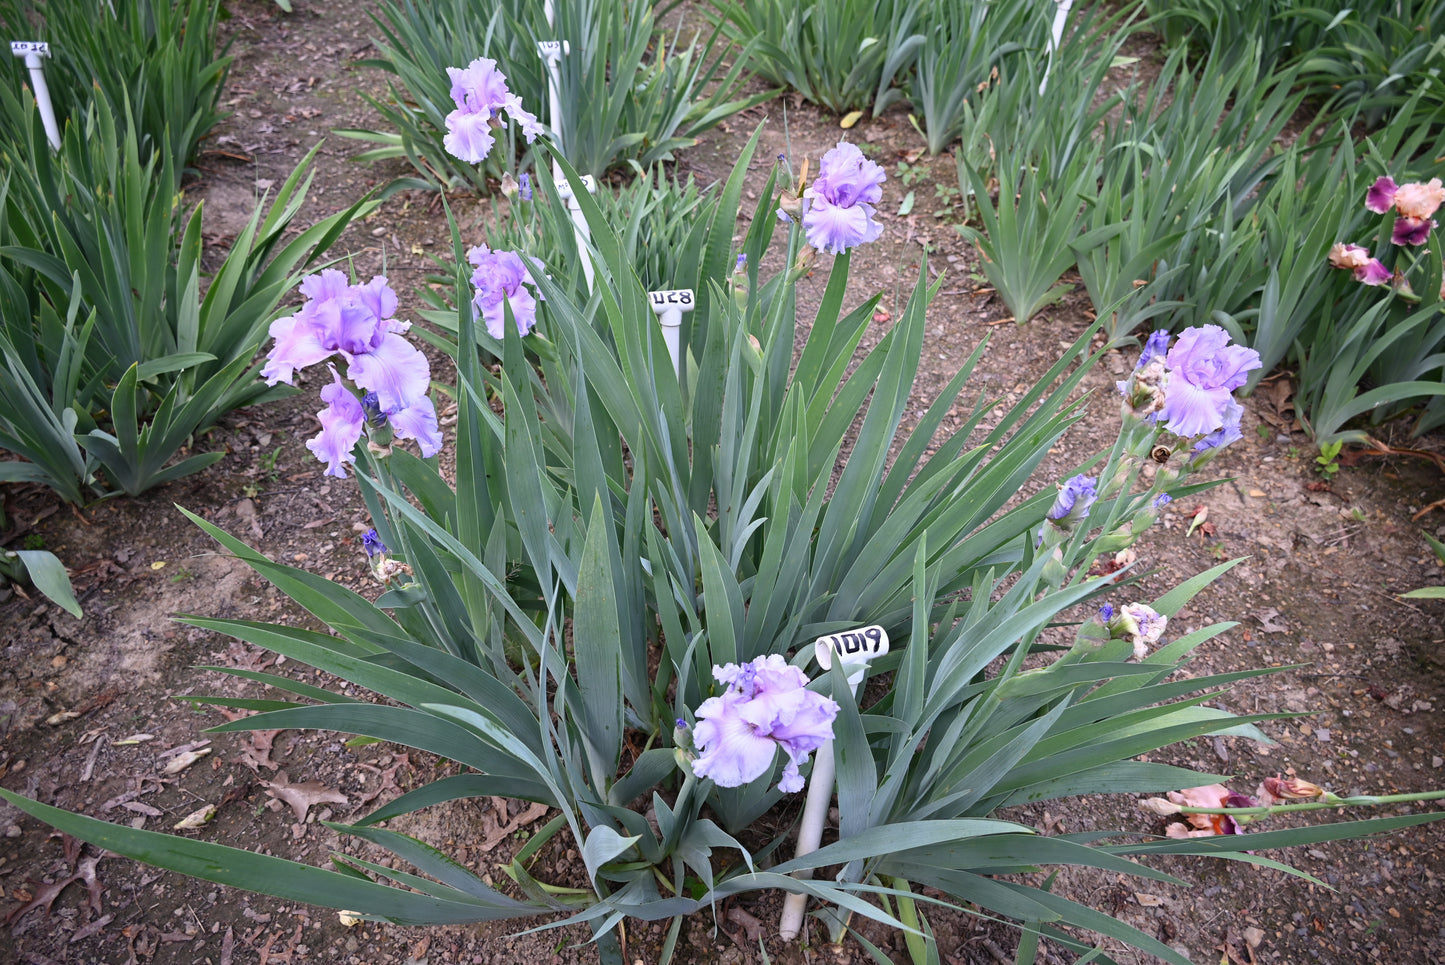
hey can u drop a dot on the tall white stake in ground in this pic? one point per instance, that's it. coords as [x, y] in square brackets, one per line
[668, 306]
[1056, 36]
[551, 51]
[854, 649]
[33, 53]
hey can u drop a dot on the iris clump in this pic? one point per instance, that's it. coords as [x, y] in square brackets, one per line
[357, 323]
[839, 211]
[767, 706]
[480, 92]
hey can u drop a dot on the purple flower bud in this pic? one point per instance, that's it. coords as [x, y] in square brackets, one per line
[1106, 613]
[526, 188]
[1162, 500]
[1075, 497]
[742, 264]
[375, 415]
[1156, 346]
[371, 542]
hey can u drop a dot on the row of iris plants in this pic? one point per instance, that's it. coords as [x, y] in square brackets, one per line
[117, 348]
[612, 600]
[1276, 116]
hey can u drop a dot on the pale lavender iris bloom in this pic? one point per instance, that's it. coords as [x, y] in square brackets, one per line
[499, 279]
[341, 423]
[840, 200]
[354, 321]
[1203, 370]
[480, 91]
[767, 706]
[1227, 433]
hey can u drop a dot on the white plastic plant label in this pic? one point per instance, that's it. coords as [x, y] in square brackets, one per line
[853, 647]
[20, 48]
[552, 49]
[679, 298]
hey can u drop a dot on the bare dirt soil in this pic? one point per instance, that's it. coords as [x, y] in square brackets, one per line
[1317, 592]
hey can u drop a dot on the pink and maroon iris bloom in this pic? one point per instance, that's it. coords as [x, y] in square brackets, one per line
[840, 200]
[767, 706]
[1414, 205]
[1203, 370]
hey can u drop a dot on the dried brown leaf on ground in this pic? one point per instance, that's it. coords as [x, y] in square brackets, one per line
[301, 797]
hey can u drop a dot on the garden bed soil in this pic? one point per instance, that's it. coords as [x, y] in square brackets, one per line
[92, 711]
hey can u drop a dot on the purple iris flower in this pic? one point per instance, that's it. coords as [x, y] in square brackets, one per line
[340, 427]
[1075, 497]
[767, 706]
[1373, 272]
[1227, 432]
[480, 91]
[355, 322]
[1203, 370]
[840, 212]
[1156, 346]
[1106, 613]
[499, 279]
[371, 542]
[1162, 500]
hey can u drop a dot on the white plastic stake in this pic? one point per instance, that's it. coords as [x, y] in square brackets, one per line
[33, 53]
[668, 306]
[855, 649]
[1056, 36]
[579, 220]
[551, 51]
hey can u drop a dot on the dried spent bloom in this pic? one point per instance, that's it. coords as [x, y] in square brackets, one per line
[1141, 625]
[1203, 370]
[1205, 825]
[499, 278]
[1282, 790]
[767, 706]
[840, 200]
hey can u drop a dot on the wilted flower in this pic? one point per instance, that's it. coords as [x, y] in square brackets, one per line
[1141, 625]
[767, 706]
[480, 91]
[499, 278]
[1203, 370]
[1282, 790]
[839, 212]
[1205, 825]
[1143, 391]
